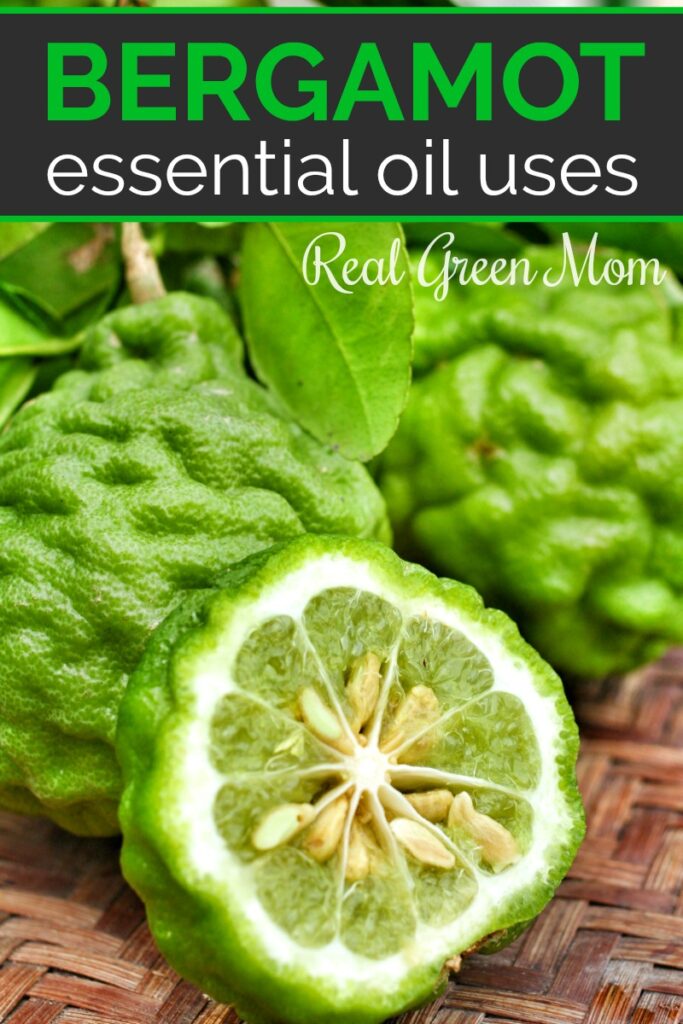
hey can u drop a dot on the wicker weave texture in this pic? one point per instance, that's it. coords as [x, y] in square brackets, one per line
[608, 950]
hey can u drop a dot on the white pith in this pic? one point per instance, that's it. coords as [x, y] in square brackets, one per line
[368, 767]
[192, 784]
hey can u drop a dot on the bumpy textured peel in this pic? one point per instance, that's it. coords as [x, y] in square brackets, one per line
[175, 859]
[540, 459]
[142, 475]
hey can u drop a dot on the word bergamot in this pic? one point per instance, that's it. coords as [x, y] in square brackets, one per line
[340, 774]
[540, 459]
[142, 475]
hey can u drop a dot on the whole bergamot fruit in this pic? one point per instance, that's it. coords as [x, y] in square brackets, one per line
[142, 475]
[540, 458]
[340, 774]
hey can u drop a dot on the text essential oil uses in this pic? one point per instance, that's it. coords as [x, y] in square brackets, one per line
[274, 169]
[343, 760]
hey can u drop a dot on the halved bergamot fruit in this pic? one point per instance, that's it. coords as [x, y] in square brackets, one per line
[341, 773]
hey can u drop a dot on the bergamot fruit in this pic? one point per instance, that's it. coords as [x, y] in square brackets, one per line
[142, 475]
[540, 459]
[340, 773]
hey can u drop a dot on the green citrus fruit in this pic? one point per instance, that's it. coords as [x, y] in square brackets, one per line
[140, 476]
[340, 773]
[540, 459]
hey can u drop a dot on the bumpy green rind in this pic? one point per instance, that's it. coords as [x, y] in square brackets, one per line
[540, 459]
[142, 475]
[200, 935]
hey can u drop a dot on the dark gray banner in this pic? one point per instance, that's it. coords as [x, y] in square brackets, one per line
[153, 146]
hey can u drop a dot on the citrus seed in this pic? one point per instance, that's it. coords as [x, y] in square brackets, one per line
[498, 846]
[363, 814]
[363, 689]
[322, 721]
[358, 859]
[418, 712]
[281, 824]
[325, 833]
[420, 842]
[433, 805]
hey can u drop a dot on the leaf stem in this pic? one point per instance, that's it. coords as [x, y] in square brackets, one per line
[142, 270]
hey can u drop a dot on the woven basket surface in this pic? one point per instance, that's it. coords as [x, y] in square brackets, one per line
[608, 950]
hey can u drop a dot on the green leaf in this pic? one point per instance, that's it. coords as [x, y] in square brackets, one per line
[16, 379]
[17, 333]
[340, 363]
[20, 337]
[63, 276]
[218, 239]
[483, 239]
[16, 236]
